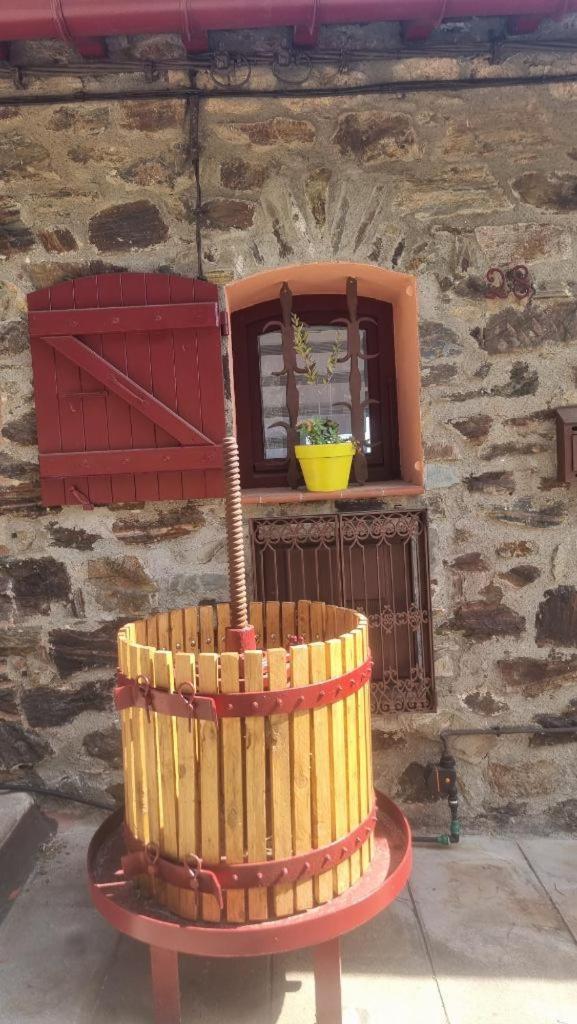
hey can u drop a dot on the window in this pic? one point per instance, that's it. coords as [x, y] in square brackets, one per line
[374, 562]
[261, 386]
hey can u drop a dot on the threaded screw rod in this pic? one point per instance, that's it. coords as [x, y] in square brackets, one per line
[235, 539]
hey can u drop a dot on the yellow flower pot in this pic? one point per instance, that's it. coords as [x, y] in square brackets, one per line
[326, 467]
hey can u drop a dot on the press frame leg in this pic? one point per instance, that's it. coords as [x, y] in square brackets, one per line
[165, 985]
[328, 998]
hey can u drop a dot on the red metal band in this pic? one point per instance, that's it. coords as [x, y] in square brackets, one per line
[192, 874]
[138, 693]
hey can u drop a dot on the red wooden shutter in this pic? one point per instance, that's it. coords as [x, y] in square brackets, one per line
[129, 389]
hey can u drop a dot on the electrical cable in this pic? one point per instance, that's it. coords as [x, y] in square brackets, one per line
[402, 86]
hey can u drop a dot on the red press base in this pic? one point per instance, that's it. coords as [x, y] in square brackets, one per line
[167, 935]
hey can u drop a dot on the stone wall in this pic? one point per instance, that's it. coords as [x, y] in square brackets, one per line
[441, 185]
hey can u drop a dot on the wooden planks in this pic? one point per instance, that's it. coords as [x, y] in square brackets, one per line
[365, 767]
[273, 627]
[280, 782]
[352, 754]
[256, 619]
[338, 763]
[138, 371]
[256, 788]
[300, 737]
[209, 781]
[206, 628]
[188, 804]
[322, 812]
[232, 789]
[168, 777]
[255, 775]
[127, 732]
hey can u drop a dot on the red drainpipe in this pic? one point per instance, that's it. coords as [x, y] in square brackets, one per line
[82, 19]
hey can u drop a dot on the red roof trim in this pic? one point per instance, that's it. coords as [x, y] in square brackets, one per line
[82, 20]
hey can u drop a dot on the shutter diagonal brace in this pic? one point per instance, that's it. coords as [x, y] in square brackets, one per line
[127, 389]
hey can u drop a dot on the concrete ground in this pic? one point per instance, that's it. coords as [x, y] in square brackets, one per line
[485, 934]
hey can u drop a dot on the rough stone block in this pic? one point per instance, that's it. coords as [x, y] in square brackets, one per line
[556, 619]
[46, 706]
[128, 226]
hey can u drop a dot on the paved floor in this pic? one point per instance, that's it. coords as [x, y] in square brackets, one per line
[486, 934]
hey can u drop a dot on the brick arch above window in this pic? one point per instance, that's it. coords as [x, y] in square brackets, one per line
[373, 283]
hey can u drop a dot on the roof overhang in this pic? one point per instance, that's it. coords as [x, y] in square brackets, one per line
[85, 22]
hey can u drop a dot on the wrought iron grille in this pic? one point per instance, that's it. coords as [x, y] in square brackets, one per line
[375, 562]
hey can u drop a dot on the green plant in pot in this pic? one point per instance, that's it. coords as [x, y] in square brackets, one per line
[325, 459]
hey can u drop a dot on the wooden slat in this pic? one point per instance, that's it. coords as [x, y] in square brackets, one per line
[330, 622]
[352, 746]
[222, 624]
[188, 797]
[369, 733]
[168, 780]
[112, 348]
[206, 628]
[121, 385]
[341, 618]
[255, 761]
[281, 783]
[272, 620]
[300, 725]
[233, 800]
[141, 430]
[96, 427]
[163, 381]
[146, 783]
[123, 318]
[321, 775]
[128, 745]
[68, 381]
[288, 621]
[304, 621]
[140, 631]
[152, 631]
[139, 460]
[188, 395]
[350, 620]
[338, 763]
[363, 759]
[163, 626]
[209, 782]
[191, 630]
[47, 407]
[317, 621]
[176, 631]
[256, 619]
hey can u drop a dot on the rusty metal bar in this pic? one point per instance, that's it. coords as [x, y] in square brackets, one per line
[290, 370]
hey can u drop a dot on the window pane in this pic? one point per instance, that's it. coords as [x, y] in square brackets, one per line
[321, 399]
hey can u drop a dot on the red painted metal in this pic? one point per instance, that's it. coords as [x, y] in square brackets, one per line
[240, 640]
[193, 874]
[119, 902]
[421, 28]
[77, 19]
[138, 693]
[155, 431]
[327, 961]
[165, 985]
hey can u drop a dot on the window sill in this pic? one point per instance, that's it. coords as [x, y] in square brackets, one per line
[286, 496]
